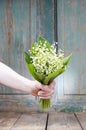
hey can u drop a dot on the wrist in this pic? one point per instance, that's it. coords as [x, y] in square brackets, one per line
[26, 85]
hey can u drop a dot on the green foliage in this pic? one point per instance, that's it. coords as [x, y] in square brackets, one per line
[41, 57]
[32, 72]
[41, 77]
[67, 59]
[53, 75]
[42, 41]
[27, 58]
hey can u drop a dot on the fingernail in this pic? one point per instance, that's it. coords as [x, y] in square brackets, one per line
[40, 93]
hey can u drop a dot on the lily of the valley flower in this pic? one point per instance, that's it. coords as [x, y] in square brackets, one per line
[45, 64]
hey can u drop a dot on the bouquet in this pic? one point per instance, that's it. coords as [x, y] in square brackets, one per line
[44, 64]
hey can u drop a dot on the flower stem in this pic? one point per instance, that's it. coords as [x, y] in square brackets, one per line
[45, 103]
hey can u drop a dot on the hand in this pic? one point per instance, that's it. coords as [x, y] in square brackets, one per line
[43, 91]
[11, 79]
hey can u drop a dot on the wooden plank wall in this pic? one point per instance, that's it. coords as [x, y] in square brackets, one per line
[71, 87]
[21, 21]
[72, 31]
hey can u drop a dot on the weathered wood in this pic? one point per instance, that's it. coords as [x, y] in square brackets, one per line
[82, 119]
[28, 121]
[27, 103]
[37, 121]
[71, 36]
[72, 30]
[18, 103]
[63, 121]
[21, 22]
[7, 120]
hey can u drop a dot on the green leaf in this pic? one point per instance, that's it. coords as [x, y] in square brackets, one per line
[32, 44]
[31, 70]
[44, 41]
[41, 77]
[67, 60]
[53, 75]
[27, 58]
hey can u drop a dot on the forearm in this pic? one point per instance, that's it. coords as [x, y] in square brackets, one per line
[11, 79]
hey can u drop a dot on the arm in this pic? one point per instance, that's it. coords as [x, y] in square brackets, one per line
[10, 78]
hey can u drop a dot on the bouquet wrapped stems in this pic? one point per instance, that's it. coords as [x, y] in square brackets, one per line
[44, 64]
[45, 103]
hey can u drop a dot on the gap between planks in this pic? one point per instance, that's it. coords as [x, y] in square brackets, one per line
[66, 121]
[22, 121]
[42, 121]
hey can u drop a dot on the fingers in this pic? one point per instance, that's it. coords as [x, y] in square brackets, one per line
[46, 95]
[48, 88]
[52, 84]
[47, 91]
[45, 88]
[44, 91]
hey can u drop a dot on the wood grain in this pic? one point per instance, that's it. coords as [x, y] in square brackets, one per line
[28, 121]
[7, 120]
[82, 119]
[20, 24]
[62, 121]
[37, 121]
